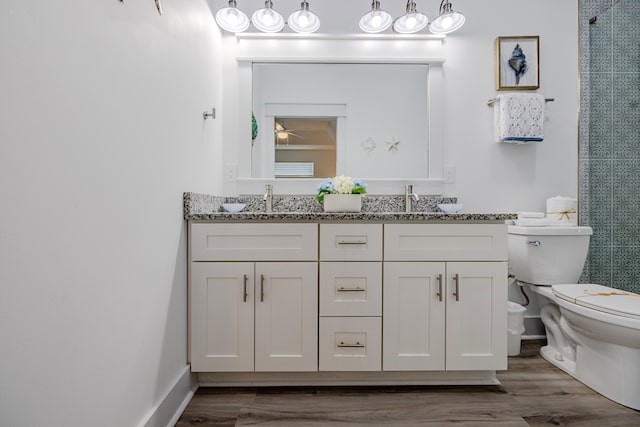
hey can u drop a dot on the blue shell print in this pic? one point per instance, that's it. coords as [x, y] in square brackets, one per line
[518, 63]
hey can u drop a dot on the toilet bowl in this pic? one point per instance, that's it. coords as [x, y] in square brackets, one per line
[593, 331]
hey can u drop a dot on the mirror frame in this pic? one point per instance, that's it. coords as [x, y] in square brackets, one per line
[241, 50]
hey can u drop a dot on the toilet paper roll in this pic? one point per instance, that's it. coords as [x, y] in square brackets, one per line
[562, 211]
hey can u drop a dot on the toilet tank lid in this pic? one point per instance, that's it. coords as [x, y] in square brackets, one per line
[550, 231]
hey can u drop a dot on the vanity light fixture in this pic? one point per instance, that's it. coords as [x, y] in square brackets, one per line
[303, 20]
[232, 19]
[376, 20]
[412, 21]
[267, 19]
[447, 21]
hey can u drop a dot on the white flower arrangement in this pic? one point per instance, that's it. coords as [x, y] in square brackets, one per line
[341, 185]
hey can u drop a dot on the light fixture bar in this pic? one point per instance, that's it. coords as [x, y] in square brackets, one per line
[375, 21]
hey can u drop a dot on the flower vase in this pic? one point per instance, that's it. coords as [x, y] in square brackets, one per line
[342, 202]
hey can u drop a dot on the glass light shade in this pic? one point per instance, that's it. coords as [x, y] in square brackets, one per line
[410, 22]
[303, 20]
[267, 20]
[232, 19]
[375, 21]
[447, 23]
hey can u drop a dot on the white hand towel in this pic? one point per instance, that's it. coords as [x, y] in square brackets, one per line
[562, 211]
[519, 117]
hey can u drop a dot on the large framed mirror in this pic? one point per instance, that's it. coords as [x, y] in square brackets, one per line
[375, 101]
[379, 114]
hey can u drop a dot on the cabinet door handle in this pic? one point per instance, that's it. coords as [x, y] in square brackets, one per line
[439, 294]
[456, 279]
[245, 294]
[356, 345]
[262, 288]
[352, 242]
[356, 289]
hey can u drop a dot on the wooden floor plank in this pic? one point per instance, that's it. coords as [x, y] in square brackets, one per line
[471, 406]
[533, 393]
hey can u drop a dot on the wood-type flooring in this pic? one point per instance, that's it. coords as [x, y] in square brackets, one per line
[532, 393]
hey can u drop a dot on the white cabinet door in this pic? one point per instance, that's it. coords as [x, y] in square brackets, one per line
[221, 316]
[476, 316]
[286, 307]
[414, 312]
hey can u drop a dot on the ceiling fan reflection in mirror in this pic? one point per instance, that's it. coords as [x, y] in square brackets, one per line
[282, 134]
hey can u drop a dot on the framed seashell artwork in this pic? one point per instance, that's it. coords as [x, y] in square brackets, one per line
[517, 63]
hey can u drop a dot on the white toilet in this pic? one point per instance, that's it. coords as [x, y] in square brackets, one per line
[593, 331]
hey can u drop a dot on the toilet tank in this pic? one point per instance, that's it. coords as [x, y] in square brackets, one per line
[548, 255]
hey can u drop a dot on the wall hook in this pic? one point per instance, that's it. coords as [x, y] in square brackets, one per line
[211, 114]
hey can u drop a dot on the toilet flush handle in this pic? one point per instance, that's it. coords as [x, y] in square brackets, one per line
[534, 242]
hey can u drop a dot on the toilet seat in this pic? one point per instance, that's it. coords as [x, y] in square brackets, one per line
[600, 298]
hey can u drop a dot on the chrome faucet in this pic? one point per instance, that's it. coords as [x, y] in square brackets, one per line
[408, 196]
[268, 198]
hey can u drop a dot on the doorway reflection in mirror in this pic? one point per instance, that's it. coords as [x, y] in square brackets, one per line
[305, 147]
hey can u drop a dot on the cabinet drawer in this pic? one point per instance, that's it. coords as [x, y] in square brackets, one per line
[445, 242]
[350, 289]
[350, 344]
[254, 242]
[350, 242]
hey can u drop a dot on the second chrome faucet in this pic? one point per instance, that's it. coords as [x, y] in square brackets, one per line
[268, 198]
[409, 195]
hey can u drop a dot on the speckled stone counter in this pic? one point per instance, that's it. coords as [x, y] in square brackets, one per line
[203, 207]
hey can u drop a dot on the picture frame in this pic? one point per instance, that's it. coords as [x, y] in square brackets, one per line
[517, 62]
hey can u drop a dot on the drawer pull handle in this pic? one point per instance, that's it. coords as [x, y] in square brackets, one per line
[456, 279]
[245, 294]
[350, 242]
[262, 288]
[439, 294]
[356, 345]
[356, 289]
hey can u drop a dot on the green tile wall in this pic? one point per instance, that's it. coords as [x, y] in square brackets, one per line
[610, 151]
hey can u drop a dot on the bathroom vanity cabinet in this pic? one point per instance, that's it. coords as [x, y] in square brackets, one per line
[347, 303]
[260, 315]
[444, 290]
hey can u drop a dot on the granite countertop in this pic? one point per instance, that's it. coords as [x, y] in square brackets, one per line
[424, 217]
[206, 208]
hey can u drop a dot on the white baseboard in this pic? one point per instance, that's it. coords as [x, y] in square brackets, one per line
[169, 408]
[355, 378]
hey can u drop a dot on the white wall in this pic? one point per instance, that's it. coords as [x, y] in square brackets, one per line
[101, 131]
[499, 177]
